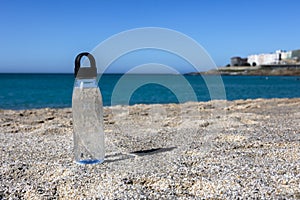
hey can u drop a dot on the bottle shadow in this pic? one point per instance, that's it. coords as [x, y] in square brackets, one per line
[123, 156]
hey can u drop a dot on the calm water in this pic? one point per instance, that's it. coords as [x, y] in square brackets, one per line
[23, 91]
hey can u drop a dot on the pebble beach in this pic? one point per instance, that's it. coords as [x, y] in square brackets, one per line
[242, 149]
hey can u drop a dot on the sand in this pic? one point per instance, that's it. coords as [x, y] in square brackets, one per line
[217, 149]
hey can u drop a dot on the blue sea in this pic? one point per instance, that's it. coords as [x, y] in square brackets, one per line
[27, 91]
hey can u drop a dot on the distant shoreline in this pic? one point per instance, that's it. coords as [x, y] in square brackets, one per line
[266, 70]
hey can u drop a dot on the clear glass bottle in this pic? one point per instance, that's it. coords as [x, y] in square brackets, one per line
[87, 112]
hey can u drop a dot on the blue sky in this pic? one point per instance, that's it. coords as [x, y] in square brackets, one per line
[46, 36]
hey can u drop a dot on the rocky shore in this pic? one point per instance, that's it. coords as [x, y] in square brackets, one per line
[217, 149]
[257, 71]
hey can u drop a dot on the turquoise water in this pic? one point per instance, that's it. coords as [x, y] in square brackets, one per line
[25, 91]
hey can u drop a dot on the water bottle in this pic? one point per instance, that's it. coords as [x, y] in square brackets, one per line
[87, 112]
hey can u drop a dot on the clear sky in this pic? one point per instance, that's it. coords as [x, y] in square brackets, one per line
[46, 36]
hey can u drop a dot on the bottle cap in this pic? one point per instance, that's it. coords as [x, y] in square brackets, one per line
[85, 72]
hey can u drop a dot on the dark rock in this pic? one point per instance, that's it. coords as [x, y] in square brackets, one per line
[127, 181]
[50, 118]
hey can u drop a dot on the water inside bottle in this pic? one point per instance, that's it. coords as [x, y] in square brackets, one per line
[88, 125]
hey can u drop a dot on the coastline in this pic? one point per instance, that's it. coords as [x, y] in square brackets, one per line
[270, 70]
[216, 149]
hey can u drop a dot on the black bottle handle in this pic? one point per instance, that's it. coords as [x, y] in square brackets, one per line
[90, 72]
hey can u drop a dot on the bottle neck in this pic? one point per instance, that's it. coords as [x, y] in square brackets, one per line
[86, 83]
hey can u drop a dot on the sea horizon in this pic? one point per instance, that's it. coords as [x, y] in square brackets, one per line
[54, 90]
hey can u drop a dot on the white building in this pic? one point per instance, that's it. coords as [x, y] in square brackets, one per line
[270, 58]
[286, 55]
